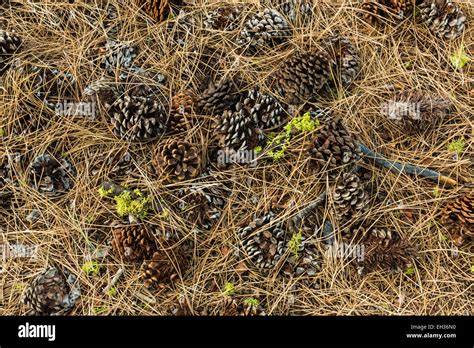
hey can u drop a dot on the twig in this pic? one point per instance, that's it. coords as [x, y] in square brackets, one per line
[114, 280]
[405, 168]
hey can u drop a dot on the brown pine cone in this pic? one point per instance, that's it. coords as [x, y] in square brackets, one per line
[9, 44]
[443, 17]
[333, 146]
[166, 265]
[133, 243]
[182, 112]
[458, 218]
[219, 97]
[52, 292]
[414, 112]
[349, 195]
[301, 77]
[177, 160]
[159, 10]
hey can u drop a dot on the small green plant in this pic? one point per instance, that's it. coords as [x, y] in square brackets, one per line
[457, 146]
[251, 301]
[229, 289]
[112, 292]
[132, 202]
[100, 309]
[443, 237]
[459, 59]
[409, 271]
[299, 124]
[105, 193]
[295, 243]
[91, 268]
[258, 149]
[165, 213]
[472, 269]
[2, 132]
[436, 192]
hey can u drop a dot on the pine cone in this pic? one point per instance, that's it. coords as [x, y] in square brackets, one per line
[333, 146]
[182, 28]
[301, 77]
[265, 110]
[443, 17]
[293, 8]
[230, 307]
[384, 248]
[53, 86]
[159, 10]
[224, 18]
[119, 58]
[177, 160]
[458, 218]
[8, 176]
[133, 243]
[138, 118]
[195, 206]
[182, 112]
[9, 44]
[237, 130]
[218, 97]
[415, 112]
[265, 29]
[51, 293]
[50, 176]
[166, 264]
[263, 241]
[101, 92]
[375, 9]
[306, 262]
[349, 195]
[347, 61]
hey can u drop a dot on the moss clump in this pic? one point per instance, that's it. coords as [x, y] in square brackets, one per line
[105, 193]
[112, 292]
[229, 289]
[457, 146]
[410, 271]
[252, 302]
[459, 59]
[299, 124]
[91, 268]
[295, 243]
[132, 203]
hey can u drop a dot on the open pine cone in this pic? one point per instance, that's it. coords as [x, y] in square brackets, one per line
[346, 58]
[333, 146]
[375, 9]
[294, 8]
[231, 307]
[119, 58]
[224, 18]
[218, 97]
[301, 77]
[263, 241]
[384, 248]
[443, 17]
[166, 265]
[133, 242]
[51, 293]
[458, 218]
[415, 112]
[159, 10]
[177, 160]
[182, 112]
[264, 29]
[9, 44]
[137, 118]
[265, 110]
[349, 195]
[50, 176]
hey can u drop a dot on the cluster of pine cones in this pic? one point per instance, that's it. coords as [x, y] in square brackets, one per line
[136, 103]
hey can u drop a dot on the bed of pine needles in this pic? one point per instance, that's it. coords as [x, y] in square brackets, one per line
[395, 57]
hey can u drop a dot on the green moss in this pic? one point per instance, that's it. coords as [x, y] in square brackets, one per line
[459, 59]
[99, 309]
[91, 268]
[105, 193]
[258, 149]
[302, 124]
[229, 289]
[252, 302]
[436, 192]
[132, 203]
[472, 269]
[457, 146]
[2, 132]
[165, 214]
[112, 292]
[295, 243]
[409, 271]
